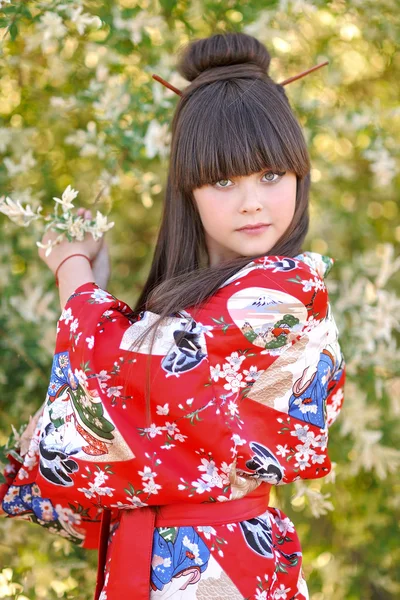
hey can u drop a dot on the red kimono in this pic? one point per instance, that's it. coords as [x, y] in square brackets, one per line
[178, 506]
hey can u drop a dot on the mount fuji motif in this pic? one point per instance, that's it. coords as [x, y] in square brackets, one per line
[267, 318]
[264, 301]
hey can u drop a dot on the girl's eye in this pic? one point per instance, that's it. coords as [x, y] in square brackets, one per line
[220, 182]
[271, 177]
[277, 175]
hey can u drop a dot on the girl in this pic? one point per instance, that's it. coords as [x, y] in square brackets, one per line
[162, 452]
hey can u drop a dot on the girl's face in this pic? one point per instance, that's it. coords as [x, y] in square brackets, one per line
[230, 204]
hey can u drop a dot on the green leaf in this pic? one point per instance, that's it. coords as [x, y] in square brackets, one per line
[168, 5]
[13, 29]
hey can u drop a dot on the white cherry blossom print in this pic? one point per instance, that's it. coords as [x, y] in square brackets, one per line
[100, 296]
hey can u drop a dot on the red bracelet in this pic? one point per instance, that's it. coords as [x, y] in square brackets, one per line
[70, 256]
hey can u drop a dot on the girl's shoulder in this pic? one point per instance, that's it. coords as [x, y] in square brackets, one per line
[316, 264]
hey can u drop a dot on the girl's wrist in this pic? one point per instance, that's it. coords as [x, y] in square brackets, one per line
[75, 272]
[70, 258]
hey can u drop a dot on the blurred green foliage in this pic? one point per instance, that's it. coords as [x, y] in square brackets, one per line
[78, 106]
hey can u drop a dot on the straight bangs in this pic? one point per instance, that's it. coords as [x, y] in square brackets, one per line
[240, 129]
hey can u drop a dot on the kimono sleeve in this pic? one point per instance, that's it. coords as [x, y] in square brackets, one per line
[276, 367]
[39, 473]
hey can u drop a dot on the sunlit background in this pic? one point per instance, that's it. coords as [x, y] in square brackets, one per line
[78, 107]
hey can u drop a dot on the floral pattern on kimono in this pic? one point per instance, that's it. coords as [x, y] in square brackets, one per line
[244, 389]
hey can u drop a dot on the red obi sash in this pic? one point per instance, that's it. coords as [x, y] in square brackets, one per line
[129, 576]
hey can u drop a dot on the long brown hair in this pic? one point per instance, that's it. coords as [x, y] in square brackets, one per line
[231, 121]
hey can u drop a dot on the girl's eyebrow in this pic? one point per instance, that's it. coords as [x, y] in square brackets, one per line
[254, 174]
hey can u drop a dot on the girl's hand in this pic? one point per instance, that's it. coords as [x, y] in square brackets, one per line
[87, 246]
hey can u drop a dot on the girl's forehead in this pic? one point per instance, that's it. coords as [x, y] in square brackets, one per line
[255, 173]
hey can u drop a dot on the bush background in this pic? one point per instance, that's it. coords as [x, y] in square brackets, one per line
[78, 107]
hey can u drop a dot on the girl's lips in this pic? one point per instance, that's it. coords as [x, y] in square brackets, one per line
[254, 230]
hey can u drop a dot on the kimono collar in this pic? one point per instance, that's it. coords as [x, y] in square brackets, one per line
[319, 262]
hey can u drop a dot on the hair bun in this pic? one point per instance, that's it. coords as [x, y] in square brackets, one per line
[220, 50]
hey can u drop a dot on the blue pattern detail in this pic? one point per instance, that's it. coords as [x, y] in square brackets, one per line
[61, 374]
[26, 499]
[310, 405]
[178, 555]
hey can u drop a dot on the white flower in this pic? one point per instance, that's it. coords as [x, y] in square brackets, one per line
[67, 197]
[74, 325]
[20, 215]
[318, 458]
[207, 530]
[162, 410]
[67, 515]
[90, 342]
[26, 162]
[284, 525]
[233, 408]
[319, 284]
[101, 226]
[100, 296]
[304, 450]
[234, 381]
[156, 139]
[225, 471]
[216, 372]
[237, 440]
[83, 20]
[213, 478]
[281, 593]
[66, 315]
[282, 450]
[147, 473]
[337, 398]
[103, 375]
[153, 430]
[383, 165]
[137, 503]
[252, 374]
[172, 428]
[52, 26]
[114, 391]
[305, 408]
[151, 487]
[81, 377]
[235, 360]
[300, 431]
[302, 463]
[308, 285]
[207, 465]
[49, 245]
[99, 478]
[201, 486]
[93, 490]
